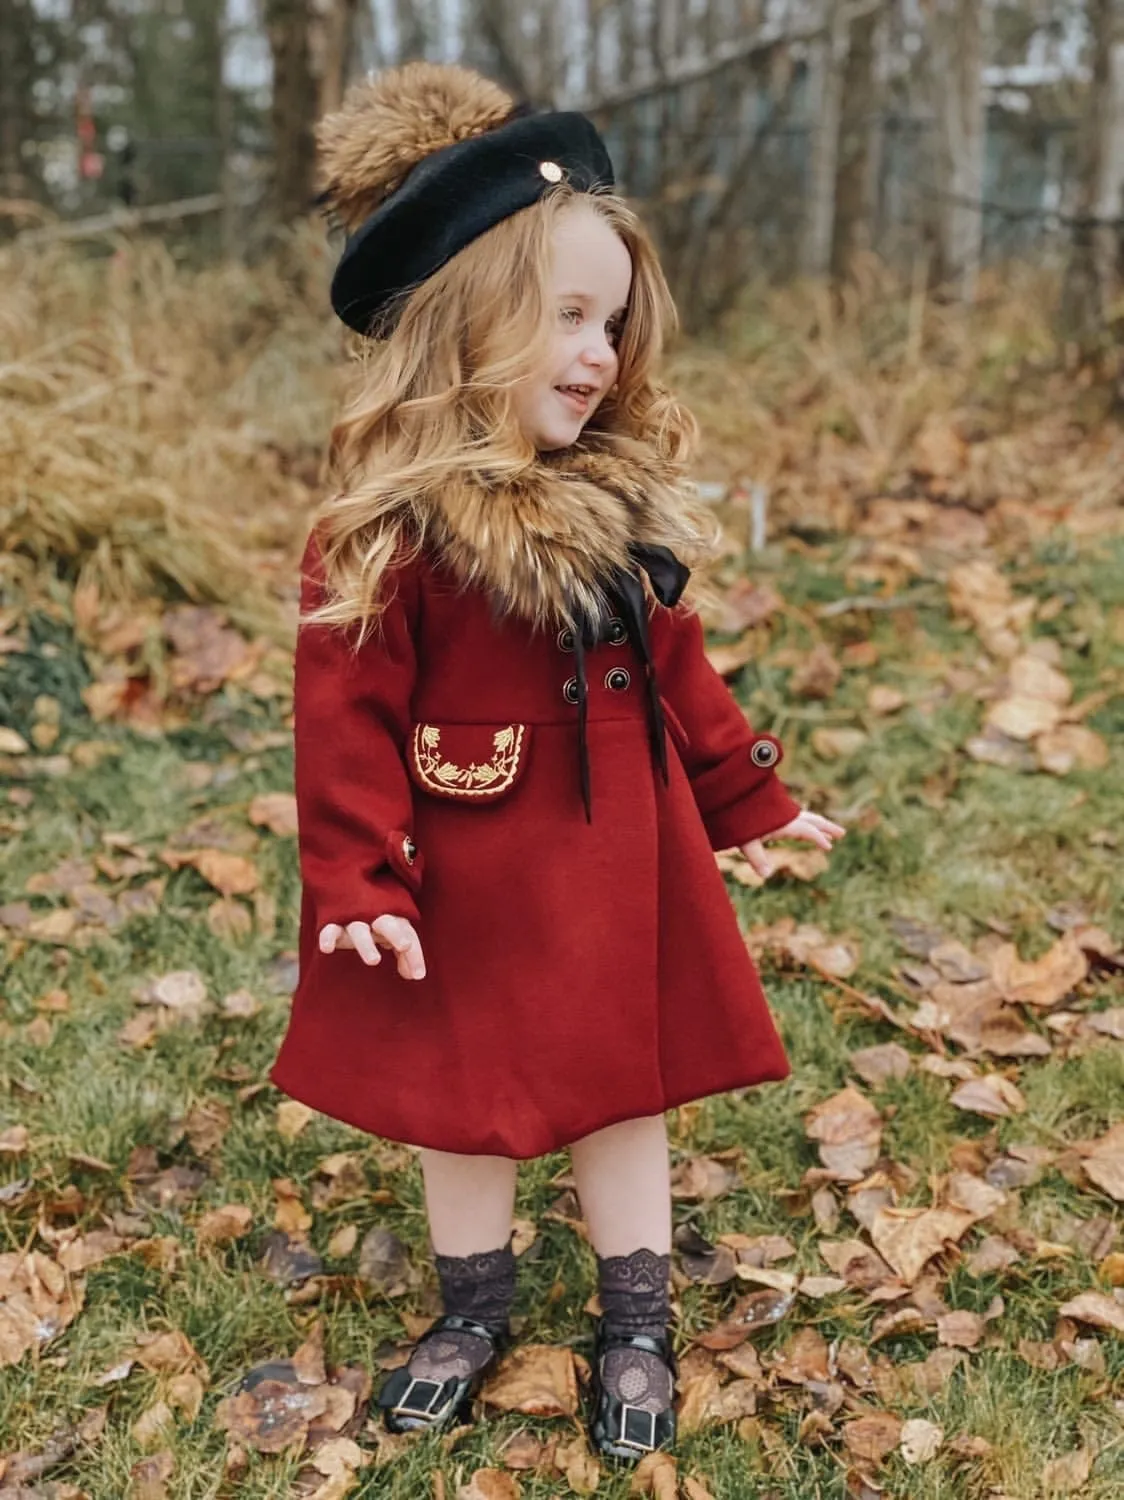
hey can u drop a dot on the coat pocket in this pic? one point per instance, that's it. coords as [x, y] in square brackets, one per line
[471, 763]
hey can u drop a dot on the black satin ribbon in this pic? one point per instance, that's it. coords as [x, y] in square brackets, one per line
[668, 578]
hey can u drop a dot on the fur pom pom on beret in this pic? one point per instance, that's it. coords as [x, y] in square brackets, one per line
[391, 122]
[423, 159]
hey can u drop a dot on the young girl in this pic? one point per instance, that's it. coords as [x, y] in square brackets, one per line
[513, 761]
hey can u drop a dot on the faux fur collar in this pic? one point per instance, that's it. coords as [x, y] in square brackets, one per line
[543, 547]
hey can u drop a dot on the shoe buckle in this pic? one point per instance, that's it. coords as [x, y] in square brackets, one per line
[425, 1408]
[638, 1429]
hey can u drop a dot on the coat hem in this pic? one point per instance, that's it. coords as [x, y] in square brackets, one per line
[370, 1124]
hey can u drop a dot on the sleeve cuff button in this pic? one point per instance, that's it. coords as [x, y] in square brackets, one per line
[764, 753]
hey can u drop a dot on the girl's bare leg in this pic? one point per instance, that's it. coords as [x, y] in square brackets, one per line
[470, 1201]
[623, 1181]
[624, 1185]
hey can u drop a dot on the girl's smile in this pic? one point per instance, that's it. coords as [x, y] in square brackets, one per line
[577, 397]
[590, 283]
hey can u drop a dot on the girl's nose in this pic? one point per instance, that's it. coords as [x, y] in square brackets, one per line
[599, 352]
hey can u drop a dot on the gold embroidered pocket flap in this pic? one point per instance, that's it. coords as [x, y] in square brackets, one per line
[473, 763]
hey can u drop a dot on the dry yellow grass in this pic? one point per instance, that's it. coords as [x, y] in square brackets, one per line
[161, 428]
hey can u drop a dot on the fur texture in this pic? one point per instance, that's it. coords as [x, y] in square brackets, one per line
[541, 547]
[391, 122]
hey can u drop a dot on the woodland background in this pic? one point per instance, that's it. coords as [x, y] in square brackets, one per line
[895, 234]
[762, 135]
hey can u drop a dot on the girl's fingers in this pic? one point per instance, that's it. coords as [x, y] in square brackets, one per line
[360, 934]
[329, 936]
[827, 825]
[757, 859]
[814, 836]
[397, 933]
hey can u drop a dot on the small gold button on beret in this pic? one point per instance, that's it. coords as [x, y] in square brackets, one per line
[551, 171]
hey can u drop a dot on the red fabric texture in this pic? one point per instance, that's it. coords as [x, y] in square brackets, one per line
[577, 974]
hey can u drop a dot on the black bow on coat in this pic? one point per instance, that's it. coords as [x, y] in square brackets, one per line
[668, 578]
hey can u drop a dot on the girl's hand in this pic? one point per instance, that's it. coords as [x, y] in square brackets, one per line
[366, 937]
[808, 826]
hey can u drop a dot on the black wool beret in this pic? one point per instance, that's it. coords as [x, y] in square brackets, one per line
[456, 194]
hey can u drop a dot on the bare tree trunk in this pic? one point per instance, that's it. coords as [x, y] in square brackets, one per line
[292, 109]
[412, 36]
[331, 38]
[858, 121]
[15, 96]
[498, 22]
[1093, 271]
[958, 37]
[825, 91]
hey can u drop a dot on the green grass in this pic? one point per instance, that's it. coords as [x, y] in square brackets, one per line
[934, 836]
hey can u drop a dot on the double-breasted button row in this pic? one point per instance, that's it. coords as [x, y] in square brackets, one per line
[615, 635]
[617, 681]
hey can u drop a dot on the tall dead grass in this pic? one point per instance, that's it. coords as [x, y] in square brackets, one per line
[161, 429]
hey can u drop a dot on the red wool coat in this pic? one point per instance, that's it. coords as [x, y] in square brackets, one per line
[577, 973]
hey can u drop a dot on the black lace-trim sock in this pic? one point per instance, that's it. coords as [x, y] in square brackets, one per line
[635, 1296]
[481, 1287]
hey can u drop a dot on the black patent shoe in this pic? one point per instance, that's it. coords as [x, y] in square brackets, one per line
[409, 1402]
[616, 1429]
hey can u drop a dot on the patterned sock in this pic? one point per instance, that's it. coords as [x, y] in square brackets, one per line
[635, 1296]
[481, 1287]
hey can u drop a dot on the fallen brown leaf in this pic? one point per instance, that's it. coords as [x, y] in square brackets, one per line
[1103, 1163]
[536, 1379]
[694, 1489]
[230, 874]
[1068, 1474]
[276, 811]
[384, 1262]
[489, 1484]
[572, 1458]
[1096, 1309]
[856, 1262]
[848, 1129]
[757, 1310]
[990, 1095]
[703, 1179]
[908, 1238]
[871, 1438]
[148, 1476]
[1044, 981]
[1071, 747]
[961, 1329]
[656, 1475]
[920, 1440]
[818, 675]
[525, 1451]
[804, 1357]
[875, 1065]
[831, 743]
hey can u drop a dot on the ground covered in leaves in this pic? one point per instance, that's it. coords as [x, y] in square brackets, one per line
[899, 1273]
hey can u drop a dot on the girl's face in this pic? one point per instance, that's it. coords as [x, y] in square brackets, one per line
[591, 276]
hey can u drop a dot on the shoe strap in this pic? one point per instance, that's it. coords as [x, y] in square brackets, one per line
[646, 1343]
[458, 1323]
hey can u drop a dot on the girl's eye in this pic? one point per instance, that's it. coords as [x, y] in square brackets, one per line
[571, 315]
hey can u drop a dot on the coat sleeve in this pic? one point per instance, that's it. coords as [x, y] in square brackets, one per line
[732, 769]
[351, 717]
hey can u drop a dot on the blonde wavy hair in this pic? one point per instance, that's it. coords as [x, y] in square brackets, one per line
[435, 405]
